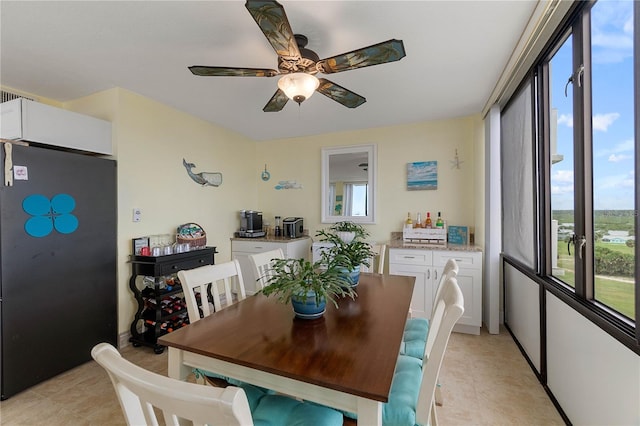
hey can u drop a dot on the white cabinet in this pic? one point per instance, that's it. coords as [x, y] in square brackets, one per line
[426, 266]
[241, 249]
[418, 264]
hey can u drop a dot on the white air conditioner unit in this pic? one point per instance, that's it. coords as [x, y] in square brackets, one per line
[22, 119]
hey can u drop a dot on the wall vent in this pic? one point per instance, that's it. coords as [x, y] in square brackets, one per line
[9, 96]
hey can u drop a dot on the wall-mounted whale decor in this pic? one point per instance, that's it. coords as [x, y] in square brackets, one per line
[203, 178]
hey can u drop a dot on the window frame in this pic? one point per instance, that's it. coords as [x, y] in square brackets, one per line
[581, 298]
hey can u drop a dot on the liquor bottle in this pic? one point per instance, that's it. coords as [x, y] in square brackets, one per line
[439, 222]
[409, 222]
[418, 223]
[427, 222]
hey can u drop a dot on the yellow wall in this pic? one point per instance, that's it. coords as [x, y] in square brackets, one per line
[299, 159]
[150, 140]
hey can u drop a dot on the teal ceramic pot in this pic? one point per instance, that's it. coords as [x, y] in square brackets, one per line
[353, 276]
[308, 309]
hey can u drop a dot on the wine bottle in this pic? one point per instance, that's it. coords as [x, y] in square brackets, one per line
[418, 223]
[427, 222]
[439, 222]
[409, 222]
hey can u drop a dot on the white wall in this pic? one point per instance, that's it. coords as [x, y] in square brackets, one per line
[522, 311]
[595, 378]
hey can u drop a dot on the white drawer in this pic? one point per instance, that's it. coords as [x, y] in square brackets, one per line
[255, 246]
[465, 259]
[410, 257]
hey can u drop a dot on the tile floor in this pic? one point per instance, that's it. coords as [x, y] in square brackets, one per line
[485, 381]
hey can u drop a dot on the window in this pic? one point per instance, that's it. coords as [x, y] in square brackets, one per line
[561, 160]
[586, 97]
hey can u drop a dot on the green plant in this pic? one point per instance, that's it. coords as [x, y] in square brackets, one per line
[295, 277]
[342, 254]
[348, 226]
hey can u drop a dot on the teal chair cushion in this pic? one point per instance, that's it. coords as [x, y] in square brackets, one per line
[400, 410]
[254, 395]
[416, 328]
[405, 388]
[279, 410]
[414, 338]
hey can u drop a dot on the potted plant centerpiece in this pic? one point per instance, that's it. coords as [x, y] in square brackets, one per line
[347, 254]
[347, 231]
[308, 286]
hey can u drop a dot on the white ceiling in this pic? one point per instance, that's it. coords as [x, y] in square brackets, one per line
[456, 51]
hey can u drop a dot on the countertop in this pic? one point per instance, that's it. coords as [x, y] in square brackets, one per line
[270, 239]
[398, 243]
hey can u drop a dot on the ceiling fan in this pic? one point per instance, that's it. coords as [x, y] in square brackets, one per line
[299, 65]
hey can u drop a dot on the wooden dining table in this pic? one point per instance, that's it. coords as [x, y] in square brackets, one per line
[345, 359]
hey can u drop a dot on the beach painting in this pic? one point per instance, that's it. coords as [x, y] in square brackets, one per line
[422, 175]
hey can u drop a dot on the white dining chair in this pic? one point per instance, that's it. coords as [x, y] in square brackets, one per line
[223, 277]
[450, 270]
[380, 250]
[195, 285]
[447, 310]
[377, 261]
[412, 395]
[262, 263]
[416, 341]
[142, 394]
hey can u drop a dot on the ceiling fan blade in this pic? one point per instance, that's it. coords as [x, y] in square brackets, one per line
[340, 94]
[277, 102]
[231, 72]
[272, 20]
[387, 51]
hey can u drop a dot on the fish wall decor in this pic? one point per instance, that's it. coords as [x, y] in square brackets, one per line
[288, 184]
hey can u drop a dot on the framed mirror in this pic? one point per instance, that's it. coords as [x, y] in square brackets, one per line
[349, 184]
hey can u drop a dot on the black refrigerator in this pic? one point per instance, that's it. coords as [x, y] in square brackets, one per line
[58, 282]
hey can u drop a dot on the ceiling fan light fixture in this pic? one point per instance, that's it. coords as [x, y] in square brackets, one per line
[298, 86]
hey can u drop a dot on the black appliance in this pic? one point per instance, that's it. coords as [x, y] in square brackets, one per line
[250, 224]
[293, 227]
[58, 258]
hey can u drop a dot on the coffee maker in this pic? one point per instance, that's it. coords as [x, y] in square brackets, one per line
[250, 224]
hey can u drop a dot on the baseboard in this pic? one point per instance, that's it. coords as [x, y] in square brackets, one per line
[123, 339]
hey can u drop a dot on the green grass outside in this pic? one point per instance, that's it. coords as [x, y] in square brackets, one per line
[620, 248]
[615, 294]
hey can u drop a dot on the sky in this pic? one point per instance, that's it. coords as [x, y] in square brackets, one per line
[612, 111]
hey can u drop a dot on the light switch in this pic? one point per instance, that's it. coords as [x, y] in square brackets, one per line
[137, 214]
